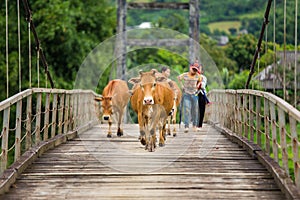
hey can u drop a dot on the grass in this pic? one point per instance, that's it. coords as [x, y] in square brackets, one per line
[224, 26]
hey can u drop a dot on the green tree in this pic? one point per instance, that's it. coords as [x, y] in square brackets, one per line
[241, 49]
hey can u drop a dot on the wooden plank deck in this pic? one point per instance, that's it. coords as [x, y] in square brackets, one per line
[194, 165]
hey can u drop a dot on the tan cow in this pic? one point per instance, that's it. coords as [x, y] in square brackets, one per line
[176, 102]
[152, 101]
[115, 97]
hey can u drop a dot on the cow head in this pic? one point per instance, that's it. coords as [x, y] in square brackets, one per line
[106, 104]
[147, 82]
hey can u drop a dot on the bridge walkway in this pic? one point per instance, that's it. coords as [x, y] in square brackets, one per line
[194, 165]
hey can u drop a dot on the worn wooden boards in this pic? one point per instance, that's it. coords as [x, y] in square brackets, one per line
[194, 165]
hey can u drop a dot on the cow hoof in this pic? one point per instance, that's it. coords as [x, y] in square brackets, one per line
[109, 135]
[143, 141]
[161, 144]
[169, 132]
[119, 134]
[174, 134]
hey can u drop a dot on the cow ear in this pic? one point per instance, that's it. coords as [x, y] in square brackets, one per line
[134, 80]
[154, 71]
[98, 98]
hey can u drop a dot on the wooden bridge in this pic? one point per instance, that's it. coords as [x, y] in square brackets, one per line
[242, 152]
[53, 145]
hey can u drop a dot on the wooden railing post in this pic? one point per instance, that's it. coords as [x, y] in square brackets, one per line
[267, 125]
[28, 122]
[251, 117]
[54, 114]
[66, 115]
[282, 130]
[61, 113]
[274, 131]
[38, 118]
[295, 149]
[46, 117]
[4, 133]
[18, 130]
[258, 120]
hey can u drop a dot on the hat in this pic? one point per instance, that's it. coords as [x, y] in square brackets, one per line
[195, 67]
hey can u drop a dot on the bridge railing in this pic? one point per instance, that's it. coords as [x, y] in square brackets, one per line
[38, 115]
[264, 119]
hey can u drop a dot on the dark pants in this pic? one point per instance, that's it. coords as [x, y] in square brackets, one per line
[201, 103]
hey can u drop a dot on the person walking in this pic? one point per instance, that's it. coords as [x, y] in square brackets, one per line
[165, 71]
[202, 98]
[188, 81]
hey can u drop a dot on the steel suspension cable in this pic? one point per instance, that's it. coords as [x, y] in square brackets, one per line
[6, 42]
[284, 49]
[38, 67]
[258, 48]
[19, 45]
[274, 46]
[296, 51]
[29, 54]
[38, 47]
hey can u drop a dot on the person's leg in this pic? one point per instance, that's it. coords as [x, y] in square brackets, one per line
[186, 110]
[201, 102]
[195, 110]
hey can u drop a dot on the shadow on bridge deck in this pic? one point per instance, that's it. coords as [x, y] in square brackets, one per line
[194, 165]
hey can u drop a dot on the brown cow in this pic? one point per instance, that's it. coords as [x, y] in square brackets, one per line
[152, 101]
[176, 102]
[115, 97]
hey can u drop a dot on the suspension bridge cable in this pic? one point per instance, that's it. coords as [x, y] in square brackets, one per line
[274, 46]
[19, 45]
[38, 47]
[29, 54]
[258, 48]
[296, 49]
[6, 42]
[284, 49]
[38, 67]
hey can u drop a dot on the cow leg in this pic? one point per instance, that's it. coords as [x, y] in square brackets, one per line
[162, 135]
[169, 125]
[142, 129]
[120, 131]
[152, 141]
[174, 124]
[109, 128]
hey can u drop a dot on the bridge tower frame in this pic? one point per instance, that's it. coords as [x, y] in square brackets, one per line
[122, 42]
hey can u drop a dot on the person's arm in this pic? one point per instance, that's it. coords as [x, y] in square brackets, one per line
[180, 78]
[203, 82]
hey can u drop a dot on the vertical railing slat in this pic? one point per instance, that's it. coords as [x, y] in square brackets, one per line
[28, 122]
[46, 117]
[251, 117]
[267, 126]
[258, 120]
[274, 131]
[61, 113]
[282, 130]
[38, 118]
[18, 130]
[295, 150]
[239, 114]
[54, 114]
[66, 115]
[245, 115]
[71, 107]
[5, 131]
